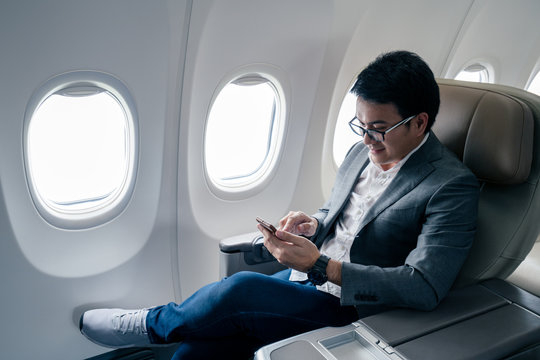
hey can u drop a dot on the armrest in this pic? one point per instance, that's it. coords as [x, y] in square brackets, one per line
[239, 243]
[401, 325]
[482, 321]
[250, 244]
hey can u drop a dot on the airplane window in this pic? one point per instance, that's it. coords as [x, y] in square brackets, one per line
[243, 131]
[80, 154]
[344, 138]
[475, 73]
[534, 85]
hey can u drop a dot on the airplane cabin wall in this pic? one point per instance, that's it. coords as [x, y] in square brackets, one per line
[502, 35]
[48, 275]
[229, 38]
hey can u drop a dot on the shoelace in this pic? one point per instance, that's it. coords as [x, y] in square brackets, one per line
[131, 322]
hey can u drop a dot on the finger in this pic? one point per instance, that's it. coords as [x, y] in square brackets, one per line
[293, 221]
[303, 228]
[266, 233]
[269, 236]
[309, 228]
[268, 244]
[285, 220]
[290, 237]
[277, 247]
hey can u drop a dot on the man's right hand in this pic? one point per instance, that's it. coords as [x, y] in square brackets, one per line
[299, 223]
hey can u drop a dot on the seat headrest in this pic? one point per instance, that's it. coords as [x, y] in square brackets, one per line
[489, 130]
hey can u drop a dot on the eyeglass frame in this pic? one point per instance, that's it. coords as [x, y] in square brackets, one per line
[363, 131]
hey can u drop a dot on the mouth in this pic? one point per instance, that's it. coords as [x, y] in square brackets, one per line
[376, 150]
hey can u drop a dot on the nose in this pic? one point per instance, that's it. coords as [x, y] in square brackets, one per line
[367, 139]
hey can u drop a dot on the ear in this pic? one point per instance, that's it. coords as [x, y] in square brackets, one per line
[420, 123]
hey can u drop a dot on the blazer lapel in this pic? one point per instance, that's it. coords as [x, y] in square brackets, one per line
[417, 167]
[349, 181]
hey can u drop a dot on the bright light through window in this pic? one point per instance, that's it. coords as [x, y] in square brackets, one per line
[344, 138]
[534, 86]
[242, 132]
[475, 73]
[79, 150]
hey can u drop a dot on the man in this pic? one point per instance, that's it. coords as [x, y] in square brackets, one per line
[394, 233]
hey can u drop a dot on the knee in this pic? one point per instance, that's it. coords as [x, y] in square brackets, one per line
[242, 279]
[240, 285]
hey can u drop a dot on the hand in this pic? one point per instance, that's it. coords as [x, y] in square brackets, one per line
[293, 251]
[299, 223]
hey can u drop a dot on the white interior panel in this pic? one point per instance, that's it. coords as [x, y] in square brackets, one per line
[49, 275]
[282, 38]
[501, 35]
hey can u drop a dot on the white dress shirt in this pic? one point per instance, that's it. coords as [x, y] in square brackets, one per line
[371, 184]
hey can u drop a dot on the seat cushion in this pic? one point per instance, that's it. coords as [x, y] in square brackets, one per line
[471, 118]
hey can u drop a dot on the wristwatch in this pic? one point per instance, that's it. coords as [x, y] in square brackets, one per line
[317, 274]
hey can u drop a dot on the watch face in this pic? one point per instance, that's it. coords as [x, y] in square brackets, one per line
[317, 277]
[317, 274]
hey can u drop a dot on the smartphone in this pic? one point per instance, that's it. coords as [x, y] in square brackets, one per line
[266, 225]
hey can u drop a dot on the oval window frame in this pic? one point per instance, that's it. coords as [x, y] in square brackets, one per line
[267, 170]
[481, 67]
[108, 210]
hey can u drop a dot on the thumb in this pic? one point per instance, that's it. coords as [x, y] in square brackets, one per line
[289, 237]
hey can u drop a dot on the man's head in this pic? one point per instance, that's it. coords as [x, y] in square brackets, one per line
[403, 79]
[398, 100]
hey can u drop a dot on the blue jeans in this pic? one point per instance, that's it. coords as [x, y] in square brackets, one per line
[232, 318]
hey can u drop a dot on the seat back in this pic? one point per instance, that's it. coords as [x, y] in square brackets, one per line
[494, 130]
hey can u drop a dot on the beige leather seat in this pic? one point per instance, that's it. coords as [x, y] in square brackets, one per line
[495, 129]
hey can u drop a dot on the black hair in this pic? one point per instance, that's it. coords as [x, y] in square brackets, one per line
[401, 78]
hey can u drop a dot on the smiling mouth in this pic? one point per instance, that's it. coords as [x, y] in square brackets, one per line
[376, 150]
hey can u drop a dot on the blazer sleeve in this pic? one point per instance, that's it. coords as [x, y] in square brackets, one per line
[446, 235]
[320, 215]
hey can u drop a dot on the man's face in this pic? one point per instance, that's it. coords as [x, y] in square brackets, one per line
[399, 141]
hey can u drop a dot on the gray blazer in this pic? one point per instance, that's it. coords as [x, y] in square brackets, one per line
[412, 242]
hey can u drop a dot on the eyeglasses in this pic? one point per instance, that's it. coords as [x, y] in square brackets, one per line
[375, 135]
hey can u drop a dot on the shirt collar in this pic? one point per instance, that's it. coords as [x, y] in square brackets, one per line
[398, 166]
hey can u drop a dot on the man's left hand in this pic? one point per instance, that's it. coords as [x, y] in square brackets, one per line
[291, 250]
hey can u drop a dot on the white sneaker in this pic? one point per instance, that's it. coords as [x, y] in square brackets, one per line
[116, 328]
